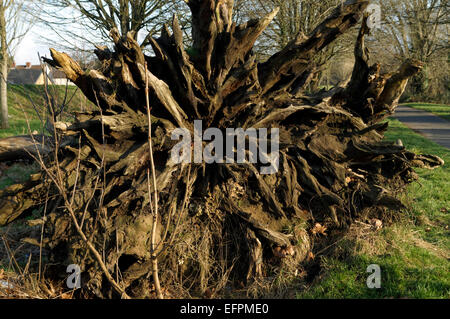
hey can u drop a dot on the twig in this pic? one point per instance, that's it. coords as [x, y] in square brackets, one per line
[154, 255]
[58, 181]
[42, 234]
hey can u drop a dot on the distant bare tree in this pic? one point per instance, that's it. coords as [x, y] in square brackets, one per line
[295, 20]
[418, 29]
[92, 20]
[12, 29]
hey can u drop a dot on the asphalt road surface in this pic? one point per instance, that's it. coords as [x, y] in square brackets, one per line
[429, 125]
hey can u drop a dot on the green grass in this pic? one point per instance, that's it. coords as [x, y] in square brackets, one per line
[413, 254]
[409, 268]
[441, 110]
[19, 102]
[433, 190]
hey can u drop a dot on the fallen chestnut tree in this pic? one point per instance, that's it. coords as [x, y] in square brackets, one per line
[221, 223]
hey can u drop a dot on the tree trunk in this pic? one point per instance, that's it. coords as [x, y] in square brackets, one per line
[25, 147]
[220, 223]
[3, 71]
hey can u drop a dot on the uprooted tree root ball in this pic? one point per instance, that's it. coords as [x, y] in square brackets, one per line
[220, 224]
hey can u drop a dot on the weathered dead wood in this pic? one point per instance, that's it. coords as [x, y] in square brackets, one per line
[294, 59]
[17, 199]
[255, 255]
[25, 147]
[335, 167]
[371, 95]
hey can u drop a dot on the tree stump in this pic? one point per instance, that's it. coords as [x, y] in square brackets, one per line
[219, 223]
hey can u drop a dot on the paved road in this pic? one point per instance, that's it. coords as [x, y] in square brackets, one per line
[429, 125]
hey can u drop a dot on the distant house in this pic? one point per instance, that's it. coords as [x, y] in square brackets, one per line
[33, 74]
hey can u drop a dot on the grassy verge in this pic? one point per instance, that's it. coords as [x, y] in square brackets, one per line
[19, 102]
[441, 110]
[413, 255]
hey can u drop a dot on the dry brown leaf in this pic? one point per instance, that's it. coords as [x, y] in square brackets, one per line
[376, 223]
[279, 252]
[66, 296]
[209, 293]
[301, 274]
[2, 274]
[290, 251]
[319, 230]
[283, 252]
[310, 256]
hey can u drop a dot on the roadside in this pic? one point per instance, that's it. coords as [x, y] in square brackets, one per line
[413, 252]
[441, 110]
[425, 123]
